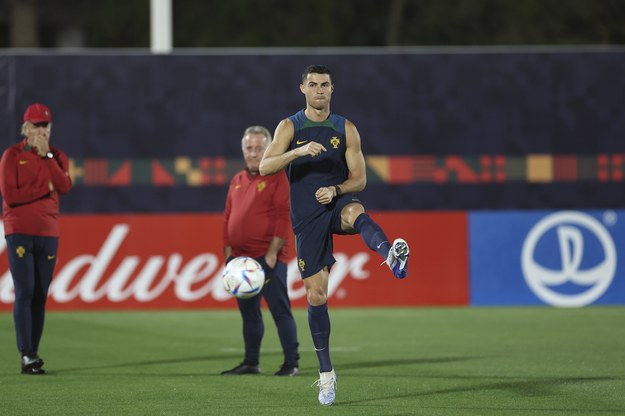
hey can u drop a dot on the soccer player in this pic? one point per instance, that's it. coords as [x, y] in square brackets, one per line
[32, 176]
[325, 166]
[256, 224]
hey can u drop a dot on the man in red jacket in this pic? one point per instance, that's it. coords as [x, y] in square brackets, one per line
[256, 224]
[32, 176]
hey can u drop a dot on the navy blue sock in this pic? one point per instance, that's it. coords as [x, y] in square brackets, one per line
[372, 235]
[319, 322]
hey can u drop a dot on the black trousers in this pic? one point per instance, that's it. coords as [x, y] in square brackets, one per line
[277, 298]
[31, 261]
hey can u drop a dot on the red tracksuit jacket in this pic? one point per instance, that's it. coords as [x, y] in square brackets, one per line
[28, 206]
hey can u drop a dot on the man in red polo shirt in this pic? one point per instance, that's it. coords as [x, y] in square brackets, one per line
[32, 176]
[257, 225]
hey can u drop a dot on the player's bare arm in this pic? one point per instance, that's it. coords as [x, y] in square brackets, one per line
[355, 163]
[277, 157]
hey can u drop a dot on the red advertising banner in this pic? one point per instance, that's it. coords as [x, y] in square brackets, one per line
[175, 261]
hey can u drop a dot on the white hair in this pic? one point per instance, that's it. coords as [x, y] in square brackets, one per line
[256, 130]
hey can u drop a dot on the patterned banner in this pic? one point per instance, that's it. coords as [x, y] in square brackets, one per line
[397, 170]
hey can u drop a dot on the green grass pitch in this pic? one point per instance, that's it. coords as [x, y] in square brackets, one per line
[405, 361]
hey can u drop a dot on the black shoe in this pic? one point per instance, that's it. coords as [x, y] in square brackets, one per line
[243, 368]
[287, 369]
[32, 365]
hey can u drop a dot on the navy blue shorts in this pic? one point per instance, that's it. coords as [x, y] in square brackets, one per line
[313, 242]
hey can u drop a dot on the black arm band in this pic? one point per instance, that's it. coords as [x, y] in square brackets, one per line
[338, 190]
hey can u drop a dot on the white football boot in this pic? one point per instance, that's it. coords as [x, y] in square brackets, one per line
[397, 258]
[327, 386]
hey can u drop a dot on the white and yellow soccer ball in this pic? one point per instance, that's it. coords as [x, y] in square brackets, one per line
[243, 277]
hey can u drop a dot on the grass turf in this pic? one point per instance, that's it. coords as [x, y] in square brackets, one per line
[421, 361]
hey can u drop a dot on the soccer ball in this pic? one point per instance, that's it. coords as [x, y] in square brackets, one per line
[243, 277]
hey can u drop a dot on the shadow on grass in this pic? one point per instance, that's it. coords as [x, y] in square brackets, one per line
[363, 365]
[137, 364]
[403, 362]
[524, 387]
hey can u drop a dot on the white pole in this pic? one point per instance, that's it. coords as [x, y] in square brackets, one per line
[160, 26]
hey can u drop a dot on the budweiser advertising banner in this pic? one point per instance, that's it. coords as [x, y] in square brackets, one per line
[175, 261]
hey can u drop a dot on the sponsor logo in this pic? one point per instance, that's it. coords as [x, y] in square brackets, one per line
[115, 274]
[587, 257]
[23, 162]
[51, 257]
[301, 142]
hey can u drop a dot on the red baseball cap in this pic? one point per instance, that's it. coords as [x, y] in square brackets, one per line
[37, 113]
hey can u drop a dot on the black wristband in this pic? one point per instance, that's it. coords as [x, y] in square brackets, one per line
[338, 190]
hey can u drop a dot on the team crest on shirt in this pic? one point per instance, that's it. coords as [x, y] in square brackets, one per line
[261, 186]
[302, 264]
[20, 251]
[334, 141]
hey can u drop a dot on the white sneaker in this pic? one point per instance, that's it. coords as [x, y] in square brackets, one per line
[327, 385]
[397, 258]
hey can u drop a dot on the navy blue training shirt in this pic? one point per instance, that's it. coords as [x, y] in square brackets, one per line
[307, 174]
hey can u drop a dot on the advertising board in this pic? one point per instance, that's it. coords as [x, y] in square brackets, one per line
[175, 261]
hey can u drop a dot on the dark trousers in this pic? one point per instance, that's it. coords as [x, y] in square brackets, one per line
[276, 295]
[31, 261]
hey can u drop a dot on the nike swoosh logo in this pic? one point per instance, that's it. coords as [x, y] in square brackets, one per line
[380, 245]
[51, 257]
[320, 349]
[301, 141]
[23, 162]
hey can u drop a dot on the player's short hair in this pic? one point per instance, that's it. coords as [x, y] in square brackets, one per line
[257, 130]
[316, 69]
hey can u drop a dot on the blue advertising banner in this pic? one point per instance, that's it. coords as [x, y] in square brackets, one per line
[561, 258]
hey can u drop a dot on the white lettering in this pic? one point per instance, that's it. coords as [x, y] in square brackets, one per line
[97, 265]
[120, 278]
[200, 269]
[7, 294]
[90, 277]
[146, 277]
